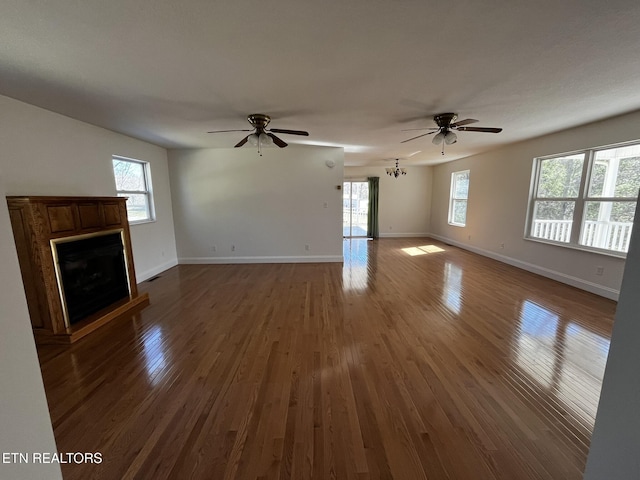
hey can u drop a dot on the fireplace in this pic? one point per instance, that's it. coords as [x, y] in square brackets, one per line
[92, 273]
[76, 263]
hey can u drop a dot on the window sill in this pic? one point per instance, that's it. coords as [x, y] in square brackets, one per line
[141, 222]
[458, 224]
[582, 248]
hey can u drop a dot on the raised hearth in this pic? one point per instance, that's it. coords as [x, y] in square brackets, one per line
[76, 263]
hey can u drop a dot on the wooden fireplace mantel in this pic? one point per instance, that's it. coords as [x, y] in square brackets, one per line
[36, 221]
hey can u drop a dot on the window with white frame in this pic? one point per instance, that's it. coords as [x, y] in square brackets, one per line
[458, 198]
[133, 180]
[586, 199]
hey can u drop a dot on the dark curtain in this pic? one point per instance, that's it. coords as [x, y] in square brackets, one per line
[373, 230]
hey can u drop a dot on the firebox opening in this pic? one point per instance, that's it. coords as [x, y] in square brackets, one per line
[92, 273]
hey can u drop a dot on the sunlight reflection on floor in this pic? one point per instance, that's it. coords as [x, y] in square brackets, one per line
[423, 250]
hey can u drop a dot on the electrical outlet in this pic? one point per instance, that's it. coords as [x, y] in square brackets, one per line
[306, 247]
[214, 248]
[599, 270]
[502, 246]
[233, 248]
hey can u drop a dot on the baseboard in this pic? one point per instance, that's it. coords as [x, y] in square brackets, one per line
[232, 260]
[403, 235]
[591, 287]
[147, 274]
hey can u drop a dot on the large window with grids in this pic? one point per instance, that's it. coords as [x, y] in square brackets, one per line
[133, 180]
[586, 199]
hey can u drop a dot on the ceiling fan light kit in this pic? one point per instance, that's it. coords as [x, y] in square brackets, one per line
[257, 140]
[449, 138]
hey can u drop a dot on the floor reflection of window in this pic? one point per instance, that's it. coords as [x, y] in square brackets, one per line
[563, 357]
[585, 356]
[354, 270]
[154, 354]
[535, 347]
[451, 293]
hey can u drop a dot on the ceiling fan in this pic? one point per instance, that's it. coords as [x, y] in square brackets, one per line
[262, 136]
[445, 130]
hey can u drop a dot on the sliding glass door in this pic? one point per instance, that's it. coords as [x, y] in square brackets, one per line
[355, 208]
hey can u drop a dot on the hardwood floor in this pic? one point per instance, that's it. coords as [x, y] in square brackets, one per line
[415, 360]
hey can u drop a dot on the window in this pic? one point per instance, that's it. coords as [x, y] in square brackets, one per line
[557, 193]
[586, 199]
[458, 198]
[133, 181]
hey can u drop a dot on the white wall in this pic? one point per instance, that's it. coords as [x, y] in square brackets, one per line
[616, 435]
[498, 196]
[25, 425]
[268, 207]
[404, 203]
[44, 153]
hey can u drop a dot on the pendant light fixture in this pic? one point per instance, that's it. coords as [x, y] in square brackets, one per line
[396, 172]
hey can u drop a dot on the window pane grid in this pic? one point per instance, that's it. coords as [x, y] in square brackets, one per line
[586, 198]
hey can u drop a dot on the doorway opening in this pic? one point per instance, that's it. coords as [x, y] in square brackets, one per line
[355, 208]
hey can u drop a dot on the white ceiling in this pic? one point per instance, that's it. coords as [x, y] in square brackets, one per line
[354, 73]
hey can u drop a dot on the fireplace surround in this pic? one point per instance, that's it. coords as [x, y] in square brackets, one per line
[76, 263]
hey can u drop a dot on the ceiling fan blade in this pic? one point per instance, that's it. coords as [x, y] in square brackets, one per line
[463, 122]
[279, 142]
[479, 129]
[241, 142]
[290, 132]
[415, 129]
[423, 135]
[223, 131]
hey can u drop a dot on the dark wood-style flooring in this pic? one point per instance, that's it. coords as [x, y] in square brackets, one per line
[414, 360]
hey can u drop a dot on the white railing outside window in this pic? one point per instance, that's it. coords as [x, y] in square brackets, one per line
[358, 217]
[608, 235]
[554, 230]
